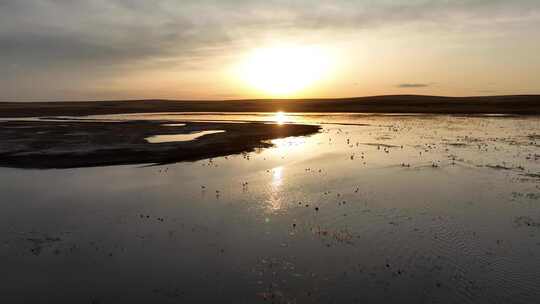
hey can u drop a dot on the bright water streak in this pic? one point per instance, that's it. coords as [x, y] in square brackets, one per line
[156, 139]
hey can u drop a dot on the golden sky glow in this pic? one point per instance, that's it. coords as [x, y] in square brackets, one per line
[235, 49]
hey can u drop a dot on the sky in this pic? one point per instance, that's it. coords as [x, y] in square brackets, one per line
[234, 49]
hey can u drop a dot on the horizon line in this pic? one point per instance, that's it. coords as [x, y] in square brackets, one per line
[277, 99]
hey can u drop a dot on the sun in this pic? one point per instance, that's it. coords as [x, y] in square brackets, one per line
[284, 70]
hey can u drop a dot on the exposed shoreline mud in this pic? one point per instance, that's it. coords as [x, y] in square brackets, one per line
[72, 144]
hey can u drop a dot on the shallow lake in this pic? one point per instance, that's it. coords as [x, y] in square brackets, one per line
[374, 208]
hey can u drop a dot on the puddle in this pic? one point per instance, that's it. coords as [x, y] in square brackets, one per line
[157, 139]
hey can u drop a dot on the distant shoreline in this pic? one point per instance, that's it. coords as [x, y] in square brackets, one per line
[398, 104]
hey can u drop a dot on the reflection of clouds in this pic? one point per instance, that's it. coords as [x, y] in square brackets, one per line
[283, 146]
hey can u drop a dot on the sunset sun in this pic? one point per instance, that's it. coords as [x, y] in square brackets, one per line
[284, 70]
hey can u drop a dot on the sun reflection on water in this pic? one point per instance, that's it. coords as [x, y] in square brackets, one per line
[277, 174]
[275, 202]
[280, 118]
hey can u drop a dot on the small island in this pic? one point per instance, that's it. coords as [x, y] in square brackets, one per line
[79, 143]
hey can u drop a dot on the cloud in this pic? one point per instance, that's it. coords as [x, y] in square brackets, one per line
[413, 85]
[80, 40]
[112, 30]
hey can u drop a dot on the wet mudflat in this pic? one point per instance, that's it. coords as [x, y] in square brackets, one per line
[70, 143]
[393, 209]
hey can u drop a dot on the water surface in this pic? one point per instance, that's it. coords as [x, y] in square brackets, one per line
[375, 208]
[156, 139]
